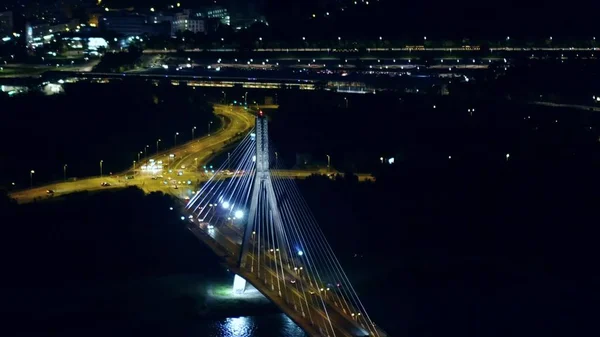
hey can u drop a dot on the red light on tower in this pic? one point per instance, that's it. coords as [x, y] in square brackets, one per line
[260, 113]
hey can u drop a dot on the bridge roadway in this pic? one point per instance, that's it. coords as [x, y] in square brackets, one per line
[301, 301]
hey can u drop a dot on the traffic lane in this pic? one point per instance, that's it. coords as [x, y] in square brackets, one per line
[333, 310]
[218, 140]
[341, 324]
[65, 187]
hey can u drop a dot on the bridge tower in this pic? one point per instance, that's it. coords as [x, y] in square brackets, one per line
[262, 189]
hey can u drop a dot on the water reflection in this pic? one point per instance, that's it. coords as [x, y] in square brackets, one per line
[276, 325]
[238, 327]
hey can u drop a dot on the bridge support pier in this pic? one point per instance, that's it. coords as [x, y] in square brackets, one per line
[239, 284]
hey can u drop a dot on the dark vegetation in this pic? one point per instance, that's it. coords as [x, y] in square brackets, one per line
[119, 61]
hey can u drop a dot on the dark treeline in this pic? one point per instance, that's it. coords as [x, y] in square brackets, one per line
[92, 122]
[425, 131]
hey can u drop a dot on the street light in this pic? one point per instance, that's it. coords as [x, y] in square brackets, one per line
[146, 151]
[157, 146]
[31, 178]
[328, 162]
[193, 129]
[176, 134]
[65, 172]
[139, 154]
[246, 99]
[224, 97]
[101, 161]
[346, 99]
[209, 123]
[134, 168]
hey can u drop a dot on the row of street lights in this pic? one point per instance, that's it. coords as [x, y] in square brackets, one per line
[32, 172]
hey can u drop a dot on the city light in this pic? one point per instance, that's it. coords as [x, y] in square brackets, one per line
[225, 205]
[300, 253]
[238, 214]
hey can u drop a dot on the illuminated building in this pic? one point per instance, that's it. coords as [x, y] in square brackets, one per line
[185, 21]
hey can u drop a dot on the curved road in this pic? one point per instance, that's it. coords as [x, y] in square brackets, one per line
[188, 157]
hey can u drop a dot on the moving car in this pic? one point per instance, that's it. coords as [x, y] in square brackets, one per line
[49, 191]
[105, 184]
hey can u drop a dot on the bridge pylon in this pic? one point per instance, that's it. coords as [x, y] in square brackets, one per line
[262, 190]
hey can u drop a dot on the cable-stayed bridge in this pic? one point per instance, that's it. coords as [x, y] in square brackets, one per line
[259, 223]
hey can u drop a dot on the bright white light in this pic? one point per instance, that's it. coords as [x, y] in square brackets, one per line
[182, 217]
[225, 204]
[238, 214]
[97, 42]
[254, 158]
[391, 161]
[300, 253]
[239, 284]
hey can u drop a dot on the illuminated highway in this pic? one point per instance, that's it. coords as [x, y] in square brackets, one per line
[189, 155]
[189, 159]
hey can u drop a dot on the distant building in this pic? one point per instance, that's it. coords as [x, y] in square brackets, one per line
[188, 21]
[6, 23]
[216, 12]
[127, 24]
